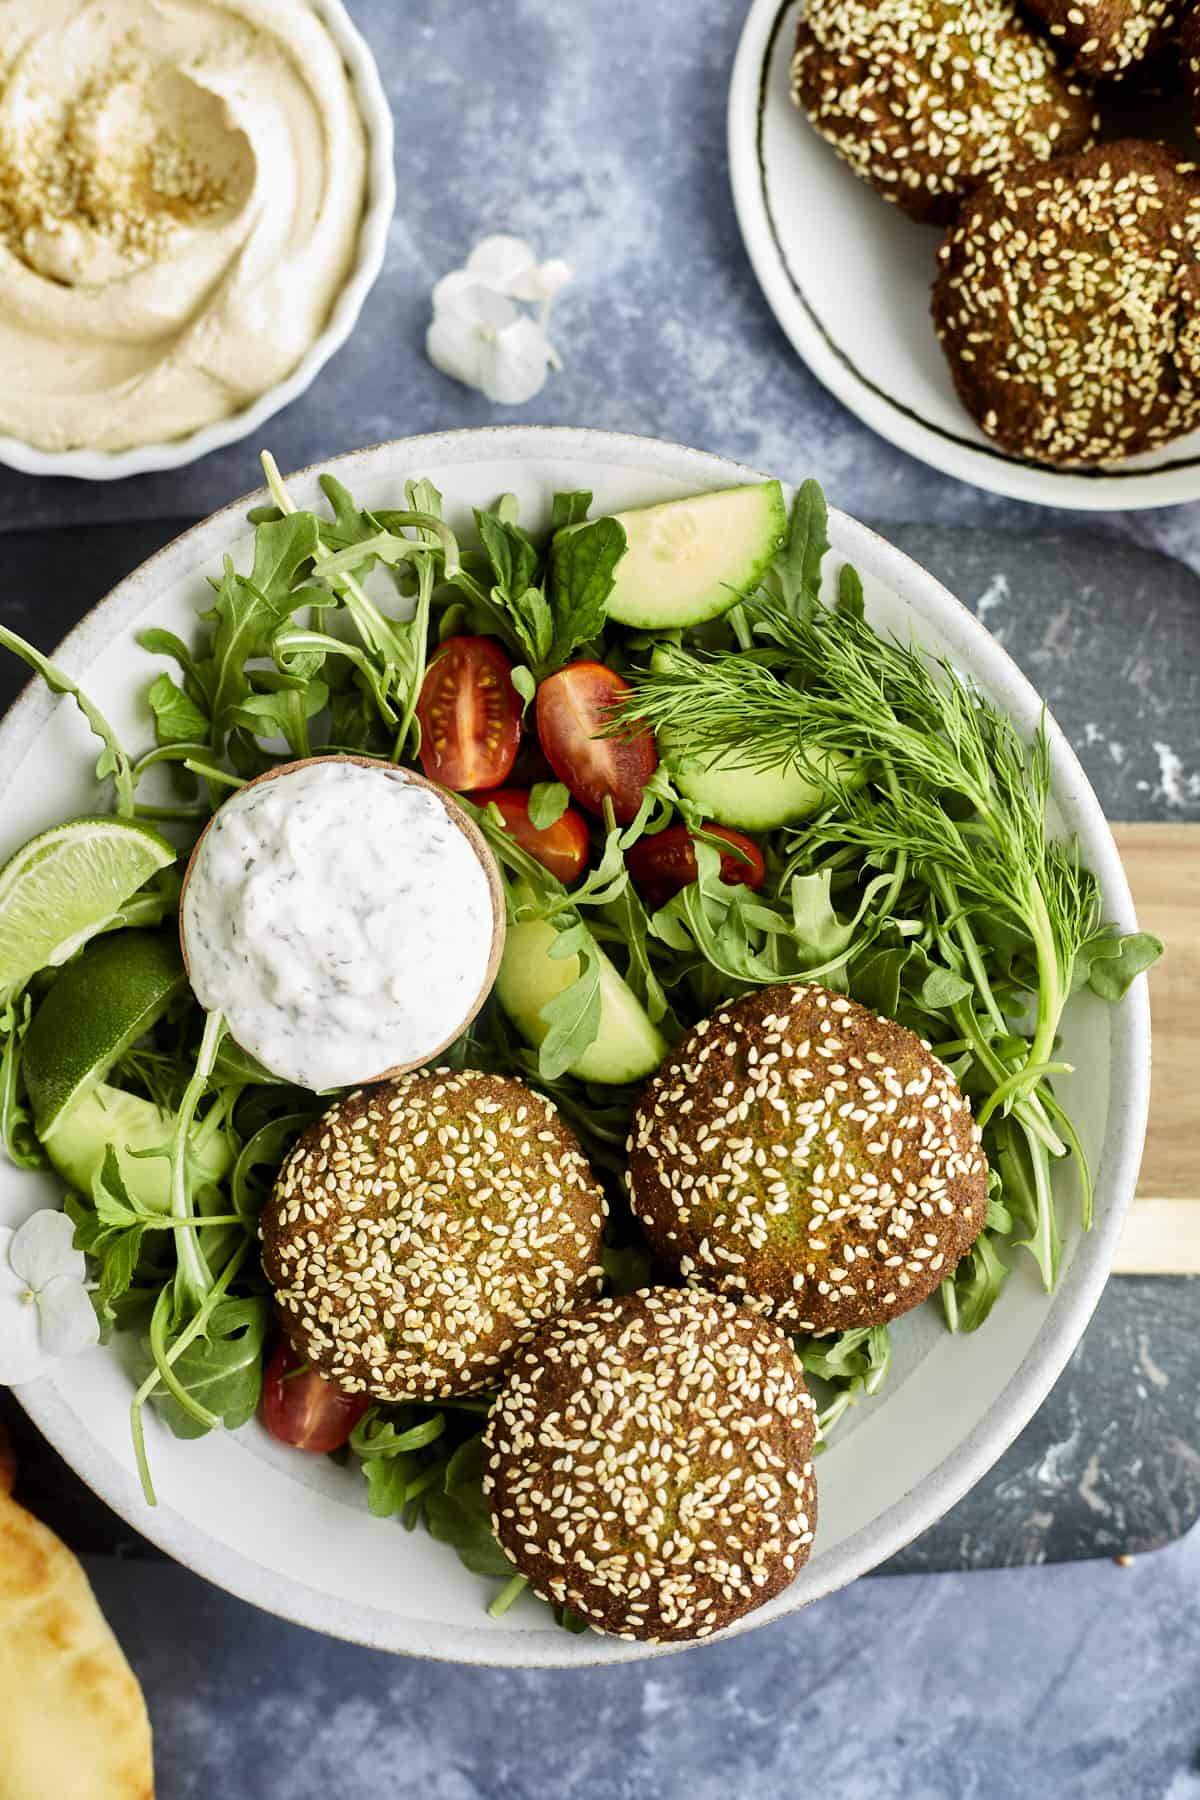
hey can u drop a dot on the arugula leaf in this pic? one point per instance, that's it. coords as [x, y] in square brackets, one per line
[16, 1121]
[570, 508]
[248, 611]
[1109, 965]
[850, 598]
[511, 552]
[574, 1014]
[221, 1369]
[177, 719]
[112, 759]
[282, 710]
[548, 801]
[582, 569]
[458, 1515]
[798, 565]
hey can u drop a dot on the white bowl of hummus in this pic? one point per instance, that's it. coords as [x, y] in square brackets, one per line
[194, 203]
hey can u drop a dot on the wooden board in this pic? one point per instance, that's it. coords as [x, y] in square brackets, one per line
[1162, 1234]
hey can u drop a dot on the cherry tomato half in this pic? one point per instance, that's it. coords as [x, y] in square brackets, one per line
[470, 715]
[572, 707]
[562, 847]
[305, 1410]
[662, 865]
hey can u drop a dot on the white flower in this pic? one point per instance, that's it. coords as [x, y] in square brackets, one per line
[479, 334]
[44, 1307]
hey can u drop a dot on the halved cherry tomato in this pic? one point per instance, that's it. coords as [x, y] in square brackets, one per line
[302, 1408]
[562, 847]
[572, 708]
[470, 715]
[663, 864]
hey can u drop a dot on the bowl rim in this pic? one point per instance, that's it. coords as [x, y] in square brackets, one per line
[976, 462]
[1073, 1302]
[379, 206]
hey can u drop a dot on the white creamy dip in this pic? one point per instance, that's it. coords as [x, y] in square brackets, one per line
[340, 920]
[181, 190]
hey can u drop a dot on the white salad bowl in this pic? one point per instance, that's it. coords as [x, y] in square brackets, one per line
[379, 205]
[292, 1533]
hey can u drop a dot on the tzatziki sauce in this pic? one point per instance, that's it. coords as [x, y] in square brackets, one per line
[340, 919]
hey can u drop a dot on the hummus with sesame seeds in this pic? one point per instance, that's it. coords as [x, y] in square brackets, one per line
[181, 187]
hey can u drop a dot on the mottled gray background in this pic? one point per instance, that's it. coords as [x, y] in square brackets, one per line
[597, 130]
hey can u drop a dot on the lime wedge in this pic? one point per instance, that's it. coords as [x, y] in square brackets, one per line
[67, 884]
[99, 1006]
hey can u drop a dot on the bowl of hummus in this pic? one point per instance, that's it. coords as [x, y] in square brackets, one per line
[194, 203]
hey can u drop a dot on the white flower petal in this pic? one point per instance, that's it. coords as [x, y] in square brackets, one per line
[513, 367]
[69, 1322]
[542, 282]
[503, 262]
[460, 296]
[22, 1354]
[43, 1248]
[456, 349]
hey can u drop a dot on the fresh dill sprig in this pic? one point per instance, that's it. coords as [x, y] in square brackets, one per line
[923, 776]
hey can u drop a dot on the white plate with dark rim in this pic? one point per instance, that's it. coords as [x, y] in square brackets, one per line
[291, 1533]
[848, 277]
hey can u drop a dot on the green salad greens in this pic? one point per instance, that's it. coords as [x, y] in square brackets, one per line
[924, 881]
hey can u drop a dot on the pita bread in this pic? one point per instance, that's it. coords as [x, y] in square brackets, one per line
[73, 1722]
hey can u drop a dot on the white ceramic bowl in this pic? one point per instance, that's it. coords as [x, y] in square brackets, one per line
[291, 1533]
[849, 278]
[379, 205]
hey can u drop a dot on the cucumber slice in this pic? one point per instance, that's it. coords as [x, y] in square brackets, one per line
[81, 1134]
[756, 799]
[627, 1047]
[690, 560]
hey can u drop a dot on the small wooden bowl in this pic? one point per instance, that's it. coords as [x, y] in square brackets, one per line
[475, 839]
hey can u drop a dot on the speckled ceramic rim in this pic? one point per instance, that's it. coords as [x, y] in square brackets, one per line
[462, 822]
[112, 465]
[1067, 1312]
[1169, 484]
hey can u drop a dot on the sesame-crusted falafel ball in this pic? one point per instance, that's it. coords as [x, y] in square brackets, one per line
[1108, 38]
[809, 1158]
[922, 97]
[1068, 305]
[421, 1231]
[649, 1464]
[1189, 52]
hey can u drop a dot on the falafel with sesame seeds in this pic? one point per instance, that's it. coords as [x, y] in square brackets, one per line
[1189, 56]
[808, 1158]
[1108, 39]
[648, 1464]
[922, 97]
[422, 1230]
[1068, 305]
